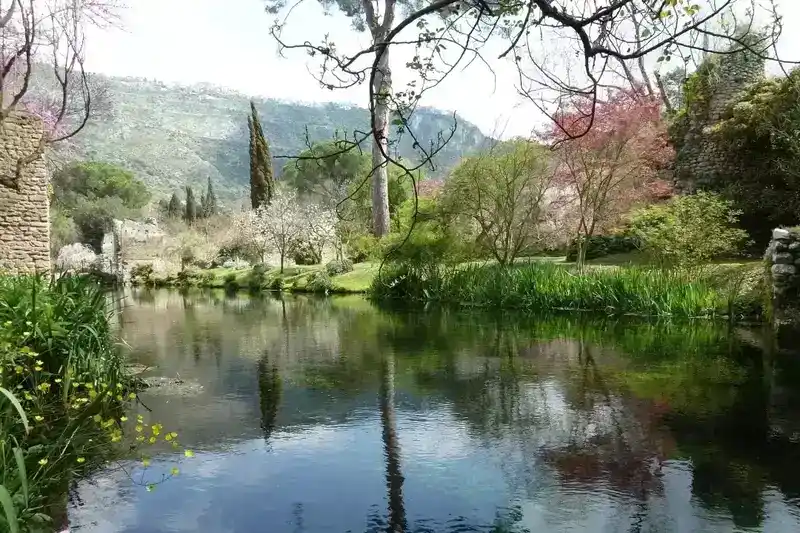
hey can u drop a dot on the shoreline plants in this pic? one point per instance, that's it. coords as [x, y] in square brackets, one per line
[63, 393]
[539, 285]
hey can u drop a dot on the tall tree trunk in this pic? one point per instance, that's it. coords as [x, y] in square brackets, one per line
[382, 89]
[391, 449]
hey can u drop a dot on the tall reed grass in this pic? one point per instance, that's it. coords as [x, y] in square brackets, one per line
[544, 286]
[62, 394]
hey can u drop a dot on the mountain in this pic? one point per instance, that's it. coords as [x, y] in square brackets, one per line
[172, 136]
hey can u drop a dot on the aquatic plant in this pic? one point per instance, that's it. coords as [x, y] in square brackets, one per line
[542, 286]
[63, 394]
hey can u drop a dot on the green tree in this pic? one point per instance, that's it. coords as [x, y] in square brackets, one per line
[501, 195]
[327, 172]
[93, 194]
[94, 180]
[209, 201]
[688, 230]
[262, 184]
[174, 208]
[190, 213]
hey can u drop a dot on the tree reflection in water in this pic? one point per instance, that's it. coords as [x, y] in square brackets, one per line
[602, 407]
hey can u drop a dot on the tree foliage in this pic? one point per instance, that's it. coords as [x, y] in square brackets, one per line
[609, 157]
[284, 224]
[262, 183]
[92, 195]
[190, 212]
[761, 133]
[689, 230]
[502, 193]
[209, 203]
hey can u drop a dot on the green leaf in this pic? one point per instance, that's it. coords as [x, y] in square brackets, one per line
[18, 407]
[9, 510]
[646, 33]
[23, 474]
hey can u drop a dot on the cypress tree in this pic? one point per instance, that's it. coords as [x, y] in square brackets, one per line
[261, 178]
[191, 206]
[210, 205]
[174, 206]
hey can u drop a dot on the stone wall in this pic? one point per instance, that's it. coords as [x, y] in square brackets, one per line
[700, 160]
[24, 203]
[783, 260]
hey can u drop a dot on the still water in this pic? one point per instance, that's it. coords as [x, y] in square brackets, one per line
[331, 415]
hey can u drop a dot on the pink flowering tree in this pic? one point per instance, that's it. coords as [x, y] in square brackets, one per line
[610, 156]
[42, 49]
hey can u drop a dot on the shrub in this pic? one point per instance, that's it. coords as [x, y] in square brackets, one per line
[142, 275]
[230, 280]
[304, 254]
[603, 245]
[363, 248]
[239, 250]
[261, 268]
[256, 278]
[688, 230]
[189, 277]
[337, 267]
[320, 282]
[277, 284]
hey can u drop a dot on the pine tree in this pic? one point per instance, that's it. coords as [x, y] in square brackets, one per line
[190, 214]
[261, 179]
[210, 205]
[174, 206]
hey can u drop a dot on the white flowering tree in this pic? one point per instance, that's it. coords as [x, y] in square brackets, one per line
[319, 229]
[284, 223]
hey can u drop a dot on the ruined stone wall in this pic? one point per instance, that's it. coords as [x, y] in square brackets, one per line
[700, 159]
[24, 203]
[783, 261]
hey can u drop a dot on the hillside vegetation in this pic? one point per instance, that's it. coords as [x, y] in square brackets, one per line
[171, 136]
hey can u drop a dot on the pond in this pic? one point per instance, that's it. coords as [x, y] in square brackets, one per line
[333, 415]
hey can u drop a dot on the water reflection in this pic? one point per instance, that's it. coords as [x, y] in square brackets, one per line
[332, 415]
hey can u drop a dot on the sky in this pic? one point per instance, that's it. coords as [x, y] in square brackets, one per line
[228, 44]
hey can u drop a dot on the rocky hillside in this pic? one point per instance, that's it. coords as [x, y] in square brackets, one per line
[172, 136]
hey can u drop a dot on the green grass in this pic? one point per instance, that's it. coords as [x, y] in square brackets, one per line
[548, 286]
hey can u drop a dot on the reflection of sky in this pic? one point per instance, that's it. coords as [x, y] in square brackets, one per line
[335, 473]
[323, 466]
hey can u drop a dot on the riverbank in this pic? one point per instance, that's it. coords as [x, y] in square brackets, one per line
[302, 279]
[616, 285]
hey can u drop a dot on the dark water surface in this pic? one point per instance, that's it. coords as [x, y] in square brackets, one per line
[335, 416]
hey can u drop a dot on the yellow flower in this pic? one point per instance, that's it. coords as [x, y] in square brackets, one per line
[140, 438]
[145, 462]
[39, 362]
[37, 368]
[174, 471]
[38, 418]
[43, 461]
[139, 428]
[132, 396]
[123, 419]
[57, 380]
[188, 453]
[18, 369]
[81, 459]
[152, 440]
[156, 429]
